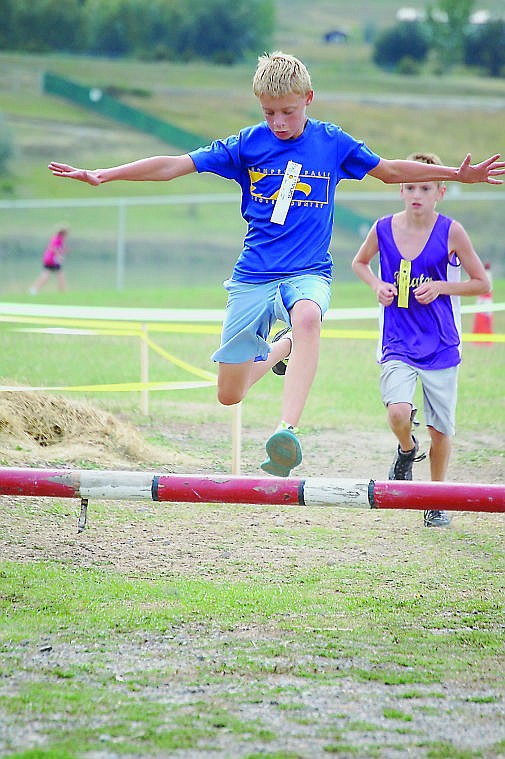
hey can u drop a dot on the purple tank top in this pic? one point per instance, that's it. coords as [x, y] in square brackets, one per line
[423, 336]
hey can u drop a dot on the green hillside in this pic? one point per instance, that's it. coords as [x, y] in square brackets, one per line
[394, 114]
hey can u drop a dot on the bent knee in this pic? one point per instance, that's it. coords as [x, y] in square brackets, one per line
[399, 412]
[228, 397]
[307, 319]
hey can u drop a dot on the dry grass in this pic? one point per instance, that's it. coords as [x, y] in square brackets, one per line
[38, 428]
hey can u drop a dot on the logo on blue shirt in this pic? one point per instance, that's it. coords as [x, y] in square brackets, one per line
[312, 189]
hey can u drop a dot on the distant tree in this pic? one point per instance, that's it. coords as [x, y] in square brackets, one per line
[163, 20]
[40, 25]
[449, 23]
[406, 40]
[6, 145]
[215, 30]
[115, 27]
[485, 47]
[6, 25]
[223, 31]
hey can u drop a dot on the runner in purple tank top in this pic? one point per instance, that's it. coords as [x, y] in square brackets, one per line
[418, 284]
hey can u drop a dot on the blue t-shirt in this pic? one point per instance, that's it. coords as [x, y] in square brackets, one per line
[257, 160]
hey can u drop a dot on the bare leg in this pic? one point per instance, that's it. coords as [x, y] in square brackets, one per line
[40, 281]
[280, 349]
[283, 447]
[303, 354]
[62, 285]
[303, 360]
[440, 452]
[234, 380]
[401, 425]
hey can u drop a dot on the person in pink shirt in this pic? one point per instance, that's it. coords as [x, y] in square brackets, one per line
[52, 261]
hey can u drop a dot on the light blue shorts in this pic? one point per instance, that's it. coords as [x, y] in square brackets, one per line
[440, 390]
[253, 309]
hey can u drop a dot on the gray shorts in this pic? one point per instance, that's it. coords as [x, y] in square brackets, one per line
[440, 391]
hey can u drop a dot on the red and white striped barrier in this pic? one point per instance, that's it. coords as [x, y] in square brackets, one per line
[312, 491]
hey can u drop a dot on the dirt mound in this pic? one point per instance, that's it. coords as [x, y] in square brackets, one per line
[36, 428]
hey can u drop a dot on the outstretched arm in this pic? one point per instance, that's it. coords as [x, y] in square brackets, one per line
[156, 169]
[395, 171]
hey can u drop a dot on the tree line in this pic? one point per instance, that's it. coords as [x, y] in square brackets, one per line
[448, 33]
[214, 30]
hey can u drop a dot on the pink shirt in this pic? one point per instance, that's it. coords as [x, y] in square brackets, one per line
[55, 250]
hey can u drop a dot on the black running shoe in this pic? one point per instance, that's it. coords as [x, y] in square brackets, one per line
[434, 518]
[280, 367]
[401, 468]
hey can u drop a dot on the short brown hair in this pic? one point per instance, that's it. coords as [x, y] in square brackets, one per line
[279, 74]
[431, 158]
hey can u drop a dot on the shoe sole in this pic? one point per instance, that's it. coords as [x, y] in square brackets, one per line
[284, 453]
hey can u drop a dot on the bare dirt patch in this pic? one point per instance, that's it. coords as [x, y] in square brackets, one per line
[39, 430]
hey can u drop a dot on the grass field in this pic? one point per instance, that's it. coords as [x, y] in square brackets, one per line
[28, 358]
[197, 631]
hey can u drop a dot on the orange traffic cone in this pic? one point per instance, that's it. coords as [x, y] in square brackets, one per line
[483, 322]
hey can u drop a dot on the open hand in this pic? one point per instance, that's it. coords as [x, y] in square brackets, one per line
[71, 172]
[486, 171]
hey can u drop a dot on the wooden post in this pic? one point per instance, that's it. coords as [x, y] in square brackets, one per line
[236, 438]
[144, 371]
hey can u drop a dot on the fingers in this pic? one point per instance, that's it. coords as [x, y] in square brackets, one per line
[426, 294]
[493, 159]
[386, 294]
[61, 169]
[498, 167]
[59, 166]
[71, 172]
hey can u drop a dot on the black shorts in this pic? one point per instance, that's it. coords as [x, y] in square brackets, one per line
[52, 267]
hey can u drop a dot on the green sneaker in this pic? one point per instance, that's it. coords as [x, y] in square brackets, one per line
[284, 453]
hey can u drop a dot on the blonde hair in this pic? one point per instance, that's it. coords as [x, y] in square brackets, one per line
[279, 74]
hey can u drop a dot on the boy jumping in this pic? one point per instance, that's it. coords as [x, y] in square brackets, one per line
[288, 167]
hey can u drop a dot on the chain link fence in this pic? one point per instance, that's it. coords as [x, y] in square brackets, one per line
[123, 243]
